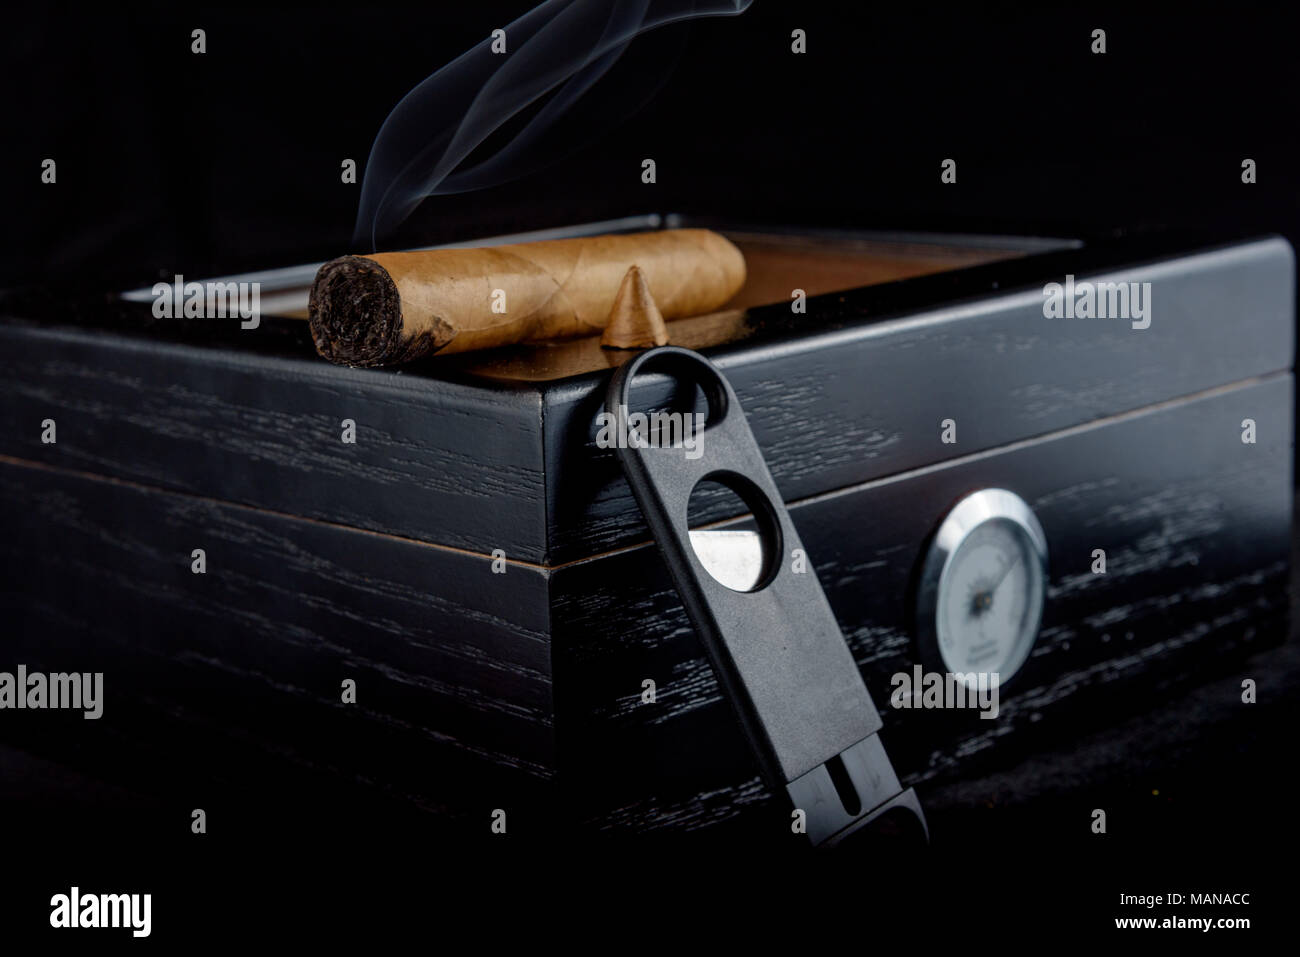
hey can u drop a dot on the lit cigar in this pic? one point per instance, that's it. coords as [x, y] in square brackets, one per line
[389, 308]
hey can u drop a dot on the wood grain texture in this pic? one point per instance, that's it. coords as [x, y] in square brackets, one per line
[231, 680]
[473, 686]
[1196, 529]
[432, 461]
[477, 455]
[848, 406]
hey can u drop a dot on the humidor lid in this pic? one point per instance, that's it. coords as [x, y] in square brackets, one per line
[496, 451]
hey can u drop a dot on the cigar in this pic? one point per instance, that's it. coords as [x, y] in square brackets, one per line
[389, 308]
[635, 321]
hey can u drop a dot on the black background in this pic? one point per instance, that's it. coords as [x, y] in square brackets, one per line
[175, 162]
[171, 162]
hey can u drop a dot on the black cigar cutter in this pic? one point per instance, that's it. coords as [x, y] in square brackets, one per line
[776, 648]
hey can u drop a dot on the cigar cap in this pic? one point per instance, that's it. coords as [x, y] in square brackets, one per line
[355, 314]
[635, 322]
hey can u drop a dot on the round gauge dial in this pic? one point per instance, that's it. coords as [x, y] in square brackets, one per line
[982, 587]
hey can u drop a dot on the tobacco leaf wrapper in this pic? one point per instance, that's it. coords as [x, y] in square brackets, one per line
[389, 308]
[635, 322]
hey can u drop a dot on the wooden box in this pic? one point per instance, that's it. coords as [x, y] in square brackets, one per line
[477, 566]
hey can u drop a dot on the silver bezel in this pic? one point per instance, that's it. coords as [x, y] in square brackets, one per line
[971, 512]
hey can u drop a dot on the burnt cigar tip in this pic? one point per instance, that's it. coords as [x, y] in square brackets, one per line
[356, 313]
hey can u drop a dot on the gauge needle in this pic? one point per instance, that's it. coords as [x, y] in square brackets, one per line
[983, 600]
[1005, 572]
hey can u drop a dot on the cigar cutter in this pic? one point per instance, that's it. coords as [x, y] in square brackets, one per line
[769, 631]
